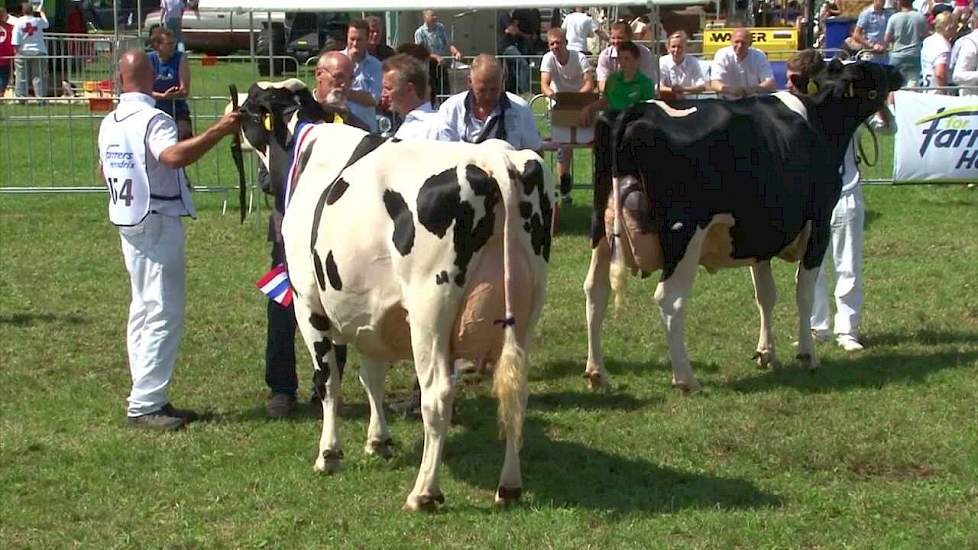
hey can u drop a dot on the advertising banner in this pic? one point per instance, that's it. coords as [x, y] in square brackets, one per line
[936, 138]
[777, 42]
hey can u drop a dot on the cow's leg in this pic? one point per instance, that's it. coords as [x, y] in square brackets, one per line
[597, 289]
[672, 295]
[431, 326]
[766, 295]
[372, 375]
[314, 327]
[805, 296]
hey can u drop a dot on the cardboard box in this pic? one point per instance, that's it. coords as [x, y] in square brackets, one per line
[564, 116]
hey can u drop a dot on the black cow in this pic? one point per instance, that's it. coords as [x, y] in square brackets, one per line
[723, 184]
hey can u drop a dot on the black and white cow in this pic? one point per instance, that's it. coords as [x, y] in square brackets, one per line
[723, 184]
[416, 250]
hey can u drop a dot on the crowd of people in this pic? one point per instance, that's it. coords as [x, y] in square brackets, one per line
[391, 90]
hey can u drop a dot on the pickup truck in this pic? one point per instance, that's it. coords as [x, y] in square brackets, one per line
[218, 32]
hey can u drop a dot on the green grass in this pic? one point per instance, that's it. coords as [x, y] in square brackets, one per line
[875, 450]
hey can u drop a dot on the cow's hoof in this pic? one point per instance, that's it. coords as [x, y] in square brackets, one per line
[383, 449]
[329, 462]
[508, 496]
[595, 381]
[687, 387]
[766, 359]
[807, 361]
[424, 503]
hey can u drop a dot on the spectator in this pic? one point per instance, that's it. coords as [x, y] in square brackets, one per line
[6, 49]
[564, 70]
[964, 60]
[828, 9]
[579, 26]
[142, 163]
[30, 63]
[486, 111]
[364, 91]
[935, 54]
[626, 87]
[608, 58]
[334, 73]
[847, 231]
[530, 22]
[905, 32]
[739, 70]
[171, 17]
[406, 91]
[513, 45]
[870, 31]
[680, 74]
[421, 53]
[172, 79]
[433, 35]
[376, 41]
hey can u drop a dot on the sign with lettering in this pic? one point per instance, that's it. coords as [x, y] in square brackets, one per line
[777, 42]
[936, 139]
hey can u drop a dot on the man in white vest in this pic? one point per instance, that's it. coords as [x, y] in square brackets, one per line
[142, 163]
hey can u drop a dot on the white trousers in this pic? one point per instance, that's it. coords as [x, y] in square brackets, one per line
[154, 254]
[847, 256]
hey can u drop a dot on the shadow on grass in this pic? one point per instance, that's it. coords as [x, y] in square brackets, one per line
[568, 474]
[866, 371]
[924, 336]
[575, 220]
[553, 370]
[31, 319]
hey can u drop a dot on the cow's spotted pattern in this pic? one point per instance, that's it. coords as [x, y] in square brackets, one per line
[536, 223]
[332, 273]
[400, 214]
[440, 204]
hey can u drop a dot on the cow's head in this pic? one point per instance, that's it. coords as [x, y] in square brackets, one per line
[269, 115]
[848, 92]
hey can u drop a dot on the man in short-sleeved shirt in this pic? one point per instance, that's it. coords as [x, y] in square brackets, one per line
[905, 32]
[965, 60]
[579, 26]
[739, 70]
[680, 74]
[486, 111]
[870, 30]
[621, 31]
[365, 89]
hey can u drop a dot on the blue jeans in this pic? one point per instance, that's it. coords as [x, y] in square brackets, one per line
[4, 79]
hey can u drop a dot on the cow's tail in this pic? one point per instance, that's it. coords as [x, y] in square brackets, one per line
[510, 378]
[618, 271]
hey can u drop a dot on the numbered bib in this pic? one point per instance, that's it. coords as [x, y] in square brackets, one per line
[122, 151]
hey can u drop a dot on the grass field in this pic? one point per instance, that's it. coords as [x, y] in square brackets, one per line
[874, 450]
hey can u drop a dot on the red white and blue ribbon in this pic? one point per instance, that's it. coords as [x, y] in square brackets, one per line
[301, 136]
[275, 284]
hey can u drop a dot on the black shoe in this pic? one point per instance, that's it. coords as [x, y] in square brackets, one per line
[186, 414]
[280, 405]
[158, 420]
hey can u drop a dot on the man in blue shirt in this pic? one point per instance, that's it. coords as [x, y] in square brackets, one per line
[870, 30]
[433, 35]
[364, 92]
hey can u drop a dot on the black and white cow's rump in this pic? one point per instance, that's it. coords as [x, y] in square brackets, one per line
[414, 250]
[723, 184]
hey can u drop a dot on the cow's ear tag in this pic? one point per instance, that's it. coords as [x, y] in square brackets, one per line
[812, 87]
[267, 122]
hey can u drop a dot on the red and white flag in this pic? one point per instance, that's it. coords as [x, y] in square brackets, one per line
[275, 284]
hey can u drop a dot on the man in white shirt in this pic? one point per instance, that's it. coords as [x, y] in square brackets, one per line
[142, 163]
[680, 74]
[579, 26]
[406, 92]
[964, 60]
[564, 70]
[621, 31]
[739, 70]
[30, 63]
[486, 111]
[364, 91]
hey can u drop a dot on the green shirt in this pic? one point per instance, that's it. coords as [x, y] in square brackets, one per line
[622, 95]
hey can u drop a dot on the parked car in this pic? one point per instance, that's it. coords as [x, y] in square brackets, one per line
[219, 32]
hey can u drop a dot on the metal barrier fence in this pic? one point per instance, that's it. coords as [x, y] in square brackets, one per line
[51, 147]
